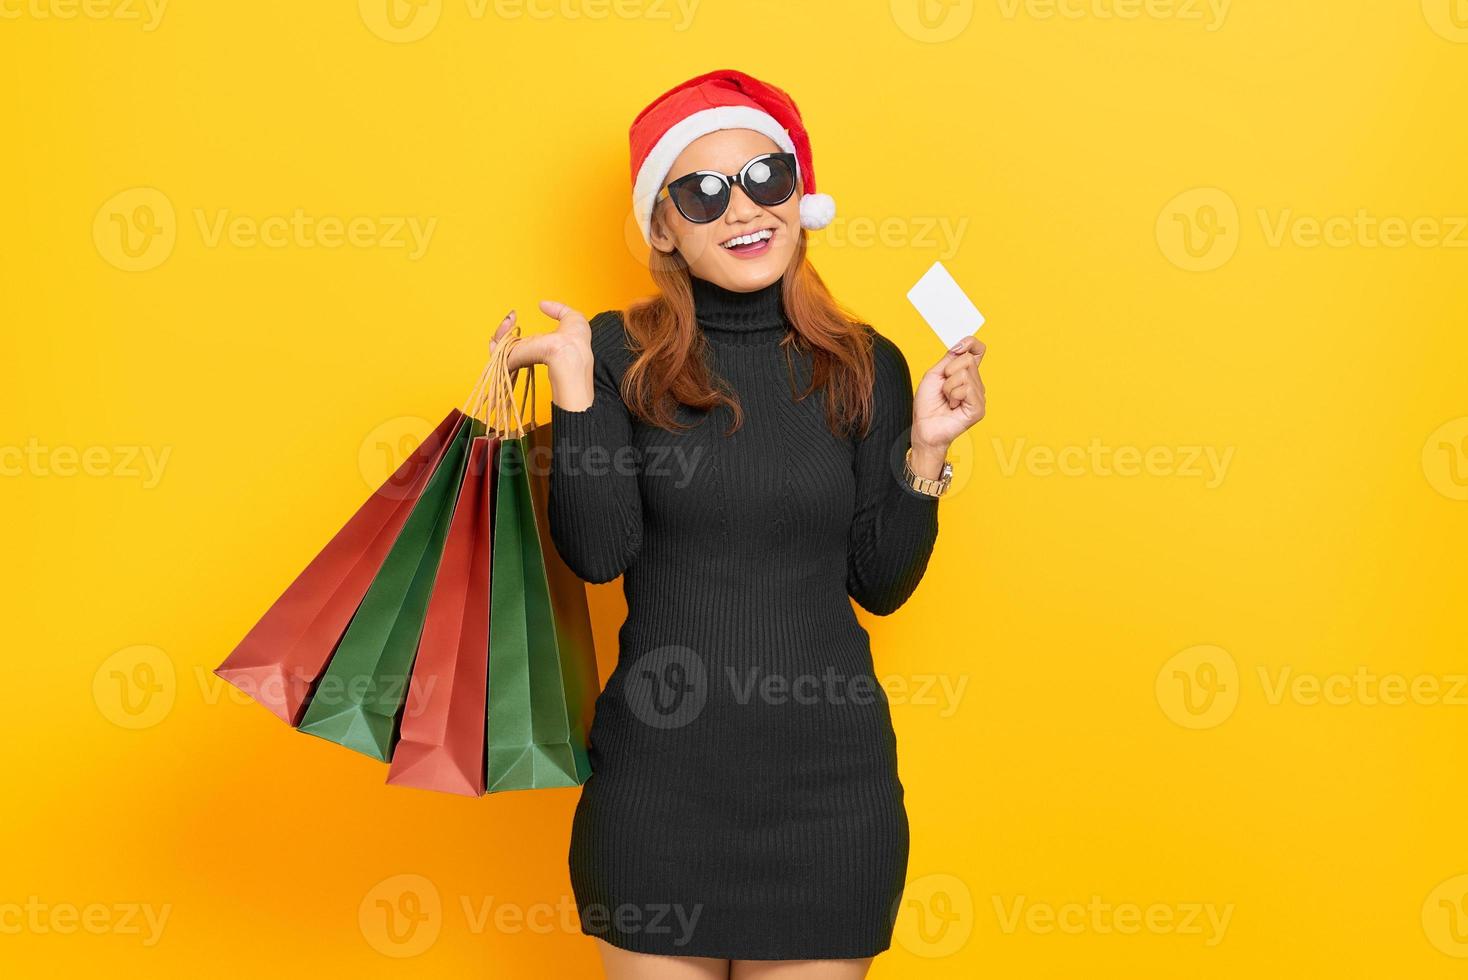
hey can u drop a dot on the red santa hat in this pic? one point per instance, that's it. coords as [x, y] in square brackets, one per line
[724, 99]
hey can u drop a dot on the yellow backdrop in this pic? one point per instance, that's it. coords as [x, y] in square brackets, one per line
[1183, 692]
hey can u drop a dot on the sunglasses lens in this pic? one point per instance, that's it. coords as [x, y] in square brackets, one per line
[700, 197]
[770, 181]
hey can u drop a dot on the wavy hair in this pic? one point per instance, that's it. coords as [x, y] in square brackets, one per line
[670, 368]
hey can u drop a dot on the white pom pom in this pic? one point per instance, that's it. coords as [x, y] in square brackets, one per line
[816, 211]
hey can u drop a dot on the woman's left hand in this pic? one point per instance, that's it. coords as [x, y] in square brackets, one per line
[948, 399]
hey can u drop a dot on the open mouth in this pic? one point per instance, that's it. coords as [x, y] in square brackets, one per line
[749, 245]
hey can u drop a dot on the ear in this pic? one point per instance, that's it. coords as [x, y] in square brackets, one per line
[662, 235]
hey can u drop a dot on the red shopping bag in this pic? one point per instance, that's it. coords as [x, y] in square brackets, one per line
[441, 743]
[286, 652]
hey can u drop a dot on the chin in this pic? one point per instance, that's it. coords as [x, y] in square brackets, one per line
[748, 275]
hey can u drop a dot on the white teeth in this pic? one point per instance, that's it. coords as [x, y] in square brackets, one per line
[758, 236]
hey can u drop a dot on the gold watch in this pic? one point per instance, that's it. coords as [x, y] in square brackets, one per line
[923, 485]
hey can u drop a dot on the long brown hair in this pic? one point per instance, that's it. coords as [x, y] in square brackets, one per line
[670, 369]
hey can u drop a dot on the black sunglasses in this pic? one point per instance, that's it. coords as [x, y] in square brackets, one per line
[768, 179]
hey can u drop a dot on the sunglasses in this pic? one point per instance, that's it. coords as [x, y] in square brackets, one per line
[768, 179]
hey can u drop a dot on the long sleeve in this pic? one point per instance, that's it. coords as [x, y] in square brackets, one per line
[595, 504]
[894, 527]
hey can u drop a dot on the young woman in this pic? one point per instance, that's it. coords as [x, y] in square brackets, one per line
[737, 448]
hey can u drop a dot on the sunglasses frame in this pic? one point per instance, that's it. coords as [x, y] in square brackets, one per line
[730, 181]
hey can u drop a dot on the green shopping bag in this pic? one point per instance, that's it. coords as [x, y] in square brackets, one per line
[360, 696]
[542, 665]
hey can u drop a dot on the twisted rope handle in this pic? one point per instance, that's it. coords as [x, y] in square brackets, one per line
[497, 390]
[476, 394]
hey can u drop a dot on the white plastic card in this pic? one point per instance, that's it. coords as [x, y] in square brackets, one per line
[944, 304]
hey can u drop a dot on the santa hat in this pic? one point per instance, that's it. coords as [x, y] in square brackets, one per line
[718, 100]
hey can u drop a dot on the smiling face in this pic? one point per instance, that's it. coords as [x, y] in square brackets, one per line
[747, 247]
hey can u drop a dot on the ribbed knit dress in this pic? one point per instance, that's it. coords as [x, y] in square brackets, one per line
[744, 801]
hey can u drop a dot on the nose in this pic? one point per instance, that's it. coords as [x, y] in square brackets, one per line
[741, 208]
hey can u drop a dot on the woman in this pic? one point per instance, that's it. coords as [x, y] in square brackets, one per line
[737, 448]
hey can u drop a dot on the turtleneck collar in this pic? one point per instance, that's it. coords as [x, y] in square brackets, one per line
[730, 317]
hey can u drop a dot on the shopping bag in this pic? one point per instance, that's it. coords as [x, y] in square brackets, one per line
[441, 744]
[542, 665]
[283, 656]
[357, 701]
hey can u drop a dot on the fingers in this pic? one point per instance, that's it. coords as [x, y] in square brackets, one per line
[963, 388]
[505, 326]
[957, 389]
[557, 311]
[962, 369]
[529, 350]
[960, 354]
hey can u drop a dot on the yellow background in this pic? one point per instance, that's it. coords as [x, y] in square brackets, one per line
[1119, 641]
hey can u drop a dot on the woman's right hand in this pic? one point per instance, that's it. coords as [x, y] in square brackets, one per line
[565, 351]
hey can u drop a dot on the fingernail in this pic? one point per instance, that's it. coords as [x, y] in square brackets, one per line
[957, 348]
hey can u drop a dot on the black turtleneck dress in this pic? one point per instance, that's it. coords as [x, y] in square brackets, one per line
[744, 801]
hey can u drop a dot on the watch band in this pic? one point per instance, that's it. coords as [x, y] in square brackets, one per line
[922, 484]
